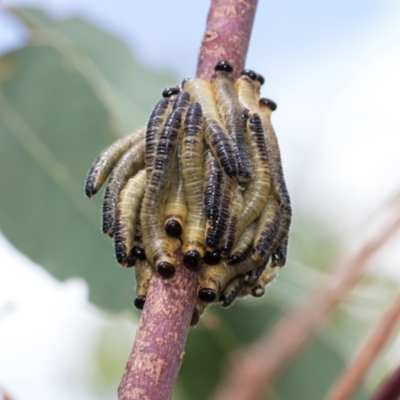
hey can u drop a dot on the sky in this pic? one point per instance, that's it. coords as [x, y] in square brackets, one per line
[332, 67]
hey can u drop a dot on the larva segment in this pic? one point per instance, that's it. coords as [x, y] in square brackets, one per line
[257, 289]
[274, 155]
[192, 174]
[144, 272]
[214, 133]
[137, 251]
[281, 241]
[176, 209]
[267, 229]
[105, 162]
[215, 278]
[127, 213]
[181, 102]
[231, 115]
[159, 247]
[230, 233]
[231, 291]
[215, 232]
[256, 194]
[243, 245]
[129, 164]
[153, 131]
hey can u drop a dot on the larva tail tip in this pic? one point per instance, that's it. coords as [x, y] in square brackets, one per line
[192, 260]
[166, 270]
[224, 66]
[258, 291]
[173, 228]
[139, 302]
[225, 301]
[207, 295]
[212, 257]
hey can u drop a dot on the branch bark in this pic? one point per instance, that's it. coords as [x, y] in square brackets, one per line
[390, 390]
[253, 370]
[158, 349]
[348, 383]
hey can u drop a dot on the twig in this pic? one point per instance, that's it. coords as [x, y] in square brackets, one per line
[227, 35]
[349, 381]
[390, 389]
[253, 370]
[158, 350]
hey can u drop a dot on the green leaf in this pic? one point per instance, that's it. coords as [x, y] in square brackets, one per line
[55, 118]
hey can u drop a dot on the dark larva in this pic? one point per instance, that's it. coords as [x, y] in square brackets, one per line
[215, 278]
[244, 244]
[159, 247]
[274, 155]
[126, 216]
[215, 232]
[144, 273]
[153, 131]
[107, 159]
[213, 185]
[256, 194]
[137, 251]
[231, 115]
[230, 233]
[192, 173]
[267, 230]
[129, 164]
[215, 135]
[231, 291]
[176, 209]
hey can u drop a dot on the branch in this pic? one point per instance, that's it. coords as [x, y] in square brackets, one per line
[390, 389]
[253, 371]
[158, 350]
[348, 383]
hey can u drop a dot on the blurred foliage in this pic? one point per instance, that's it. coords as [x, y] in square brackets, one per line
[66, 95]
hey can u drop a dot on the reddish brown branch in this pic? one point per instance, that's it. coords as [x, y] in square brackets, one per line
[390, 390]
[158, 350]
[253, 370]
[227, 35]
[348, 383]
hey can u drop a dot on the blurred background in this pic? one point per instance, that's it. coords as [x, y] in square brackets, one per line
[75, 75]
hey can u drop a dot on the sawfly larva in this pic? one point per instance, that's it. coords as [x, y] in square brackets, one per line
[176, 209]
[192, 173]
[107, 159]
[153, 131]
[231, 291]
[274, 155]
[129, 164]
[159, 247]
[244, 244]
[231, 114]
[137, 251]
[230, 233]
[216, 231]
[126, 215]
[144, 273]
[214, 133]
[267, 229]
[256, 194]
[214, 278]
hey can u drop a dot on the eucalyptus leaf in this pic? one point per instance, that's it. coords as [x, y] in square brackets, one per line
[54, 120]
